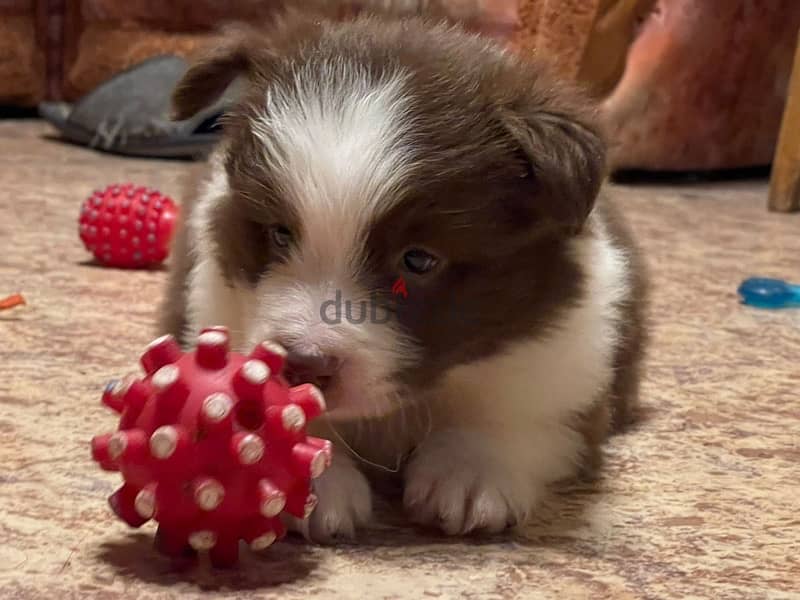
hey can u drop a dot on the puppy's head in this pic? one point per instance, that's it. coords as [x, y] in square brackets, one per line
[400, 198]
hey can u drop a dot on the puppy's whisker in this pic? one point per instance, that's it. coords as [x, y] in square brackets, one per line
[340, 438]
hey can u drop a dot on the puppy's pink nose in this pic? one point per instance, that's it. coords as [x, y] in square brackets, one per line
[302, 367]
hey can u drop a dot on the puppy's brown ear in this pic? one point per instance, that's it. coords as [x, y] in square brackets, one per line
[239, 53]
[566, 155]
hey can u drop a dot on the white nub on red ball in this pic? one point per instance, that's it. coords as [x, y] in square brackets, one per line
[119, 386]
[209, 494]
[293, 418]
[316, 394]
[117, 444]
[263, 542]
[310, 505]
[159, 341]
[273, 505]
[212, 338]
[255, 372]
[203, 540]
[217, 407]
[145, 503]
[251, 449]
[164, 441]
[318, 464]
[274, 348]
[166, 376]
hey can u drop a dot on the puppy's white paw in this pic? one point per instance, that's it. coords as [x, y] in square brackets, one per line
[345, 504]
[459, 483]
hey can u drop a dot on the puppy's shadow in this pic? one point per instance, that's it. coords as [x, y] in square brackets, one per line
[562, 517]
[557, 522]
[134, 557]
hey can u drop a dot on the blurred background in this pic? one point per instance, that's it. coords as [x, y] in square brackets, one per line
[685, 85]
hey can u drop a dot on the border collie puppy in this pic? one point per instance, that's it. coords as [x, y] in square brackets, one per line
[406, 169]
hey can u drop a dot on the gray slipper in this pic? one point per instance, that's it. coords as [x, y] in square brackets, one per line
[129, 114]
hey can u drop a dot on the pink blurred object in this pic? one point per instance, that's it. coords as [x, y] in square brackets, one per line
[499, 18]
[491, 17]
[704, 86]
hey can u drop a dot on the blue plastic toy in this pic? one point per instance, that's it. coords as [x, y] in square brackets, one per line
[769, 293]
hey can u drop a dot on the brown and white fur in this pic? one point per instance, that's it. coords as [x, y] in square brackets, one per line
[505, 367]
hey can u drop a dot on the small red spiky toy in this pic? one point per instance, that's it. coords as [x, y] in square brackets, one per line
[212, 444]
[127, 226]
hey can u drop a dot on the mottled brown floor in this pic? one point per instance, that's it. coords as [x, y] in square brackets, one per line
[700, 500]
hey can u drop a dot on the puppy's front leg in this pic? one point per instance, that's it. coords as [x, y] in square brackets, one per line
[345, 503]
[480, 478]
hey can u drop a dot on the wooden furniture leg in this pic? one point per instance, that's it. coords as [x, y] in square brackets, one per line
[784, 193]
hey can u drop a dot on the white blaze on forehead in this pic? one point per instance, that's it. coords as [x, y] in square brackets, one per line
[338, 140]
[339, 145]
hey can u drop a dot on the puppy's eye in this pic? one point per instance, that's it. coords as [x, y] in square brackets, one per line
[419, 261]
[280, 236]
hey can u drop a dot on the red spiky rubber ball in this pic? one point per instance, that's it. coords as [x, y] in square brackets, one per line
[212, 444]
[127, 226]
